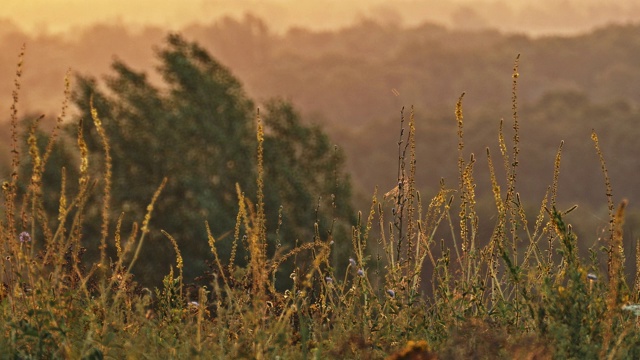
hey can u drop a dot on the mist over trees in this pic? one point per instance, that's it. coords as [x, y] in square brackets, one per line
[353, 70]
[518, 16]
[354, 81]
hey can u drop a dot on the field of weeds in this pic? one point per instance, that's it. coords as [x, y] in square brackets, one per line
[523, 293]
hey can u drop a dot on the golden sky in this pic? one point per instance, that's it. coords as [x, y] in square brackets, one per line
[62, 15]
[39, 16]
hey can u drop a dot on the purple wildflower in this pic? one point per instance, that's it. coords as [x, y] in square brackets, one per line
[592, 276]
[360, 272]
[328, 279]
[25, 237]
[391, 293]
[352, 262]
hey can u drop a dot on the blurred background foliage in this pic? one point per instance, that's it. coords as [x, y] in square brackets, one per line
[199, 131]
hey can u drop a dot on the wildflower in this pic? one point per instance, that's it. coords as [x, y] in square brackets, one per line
[25, 237]
[360, 272]
[634, 308]
[194, 303]
[352, 262]
[592, 276]
[391, 293]
[328, 279]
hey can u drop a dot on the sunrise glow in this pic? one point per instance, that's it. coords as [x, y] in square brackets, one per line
[59, 16]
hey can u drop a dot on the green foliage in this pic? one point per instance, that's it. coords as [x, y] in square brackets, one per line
[198, 131]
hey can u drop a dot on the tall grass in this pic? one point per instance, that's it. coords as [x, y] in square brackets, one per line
[522, 293]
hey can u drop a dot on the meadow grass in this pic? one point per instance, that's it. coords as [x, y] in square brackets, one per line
[523, 293]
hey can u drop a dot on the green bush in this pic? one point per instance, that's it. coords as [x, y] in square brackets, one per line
[198, 130]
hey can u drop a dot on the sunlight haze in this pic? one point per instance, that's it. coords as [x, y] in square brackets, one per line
[62, 16]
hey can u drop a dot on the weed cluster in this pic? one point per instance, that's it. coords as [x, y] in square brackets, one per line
[524, 293]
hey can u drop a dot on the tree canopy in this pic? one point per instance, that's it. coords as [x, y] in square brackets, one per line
[198, 130]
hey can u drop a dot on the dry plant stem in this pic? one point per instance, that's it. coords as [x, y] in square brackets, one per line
[83, 181]
[512, 180]
[434, 217]
[240, 217]
[34, 193]
[35, 190]
[62, 208]
[106, 200]
[472, 266]
[426, 237]
[202, 303]
[258, 238]
[493, 245]
[118, 273]
[534, 240]
[554, 192]
[179, 261]
[71, 243]
[9, 188]
[454, 240]
[516, 150]
[34, 197]
[398, 217]
[461, 178]
[59, 119]
[410, 190]
[117, 238]
[214, 252]
[372, 212]
[556, 174]
[121, 253]
[418, 225]
[145, 223]
[278, 228]
[616, 275]
[607, 183]
[386, 245]
[59, 238]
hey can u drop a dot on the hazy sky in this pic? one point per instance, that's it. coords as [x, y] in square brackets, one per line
[38, 16]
